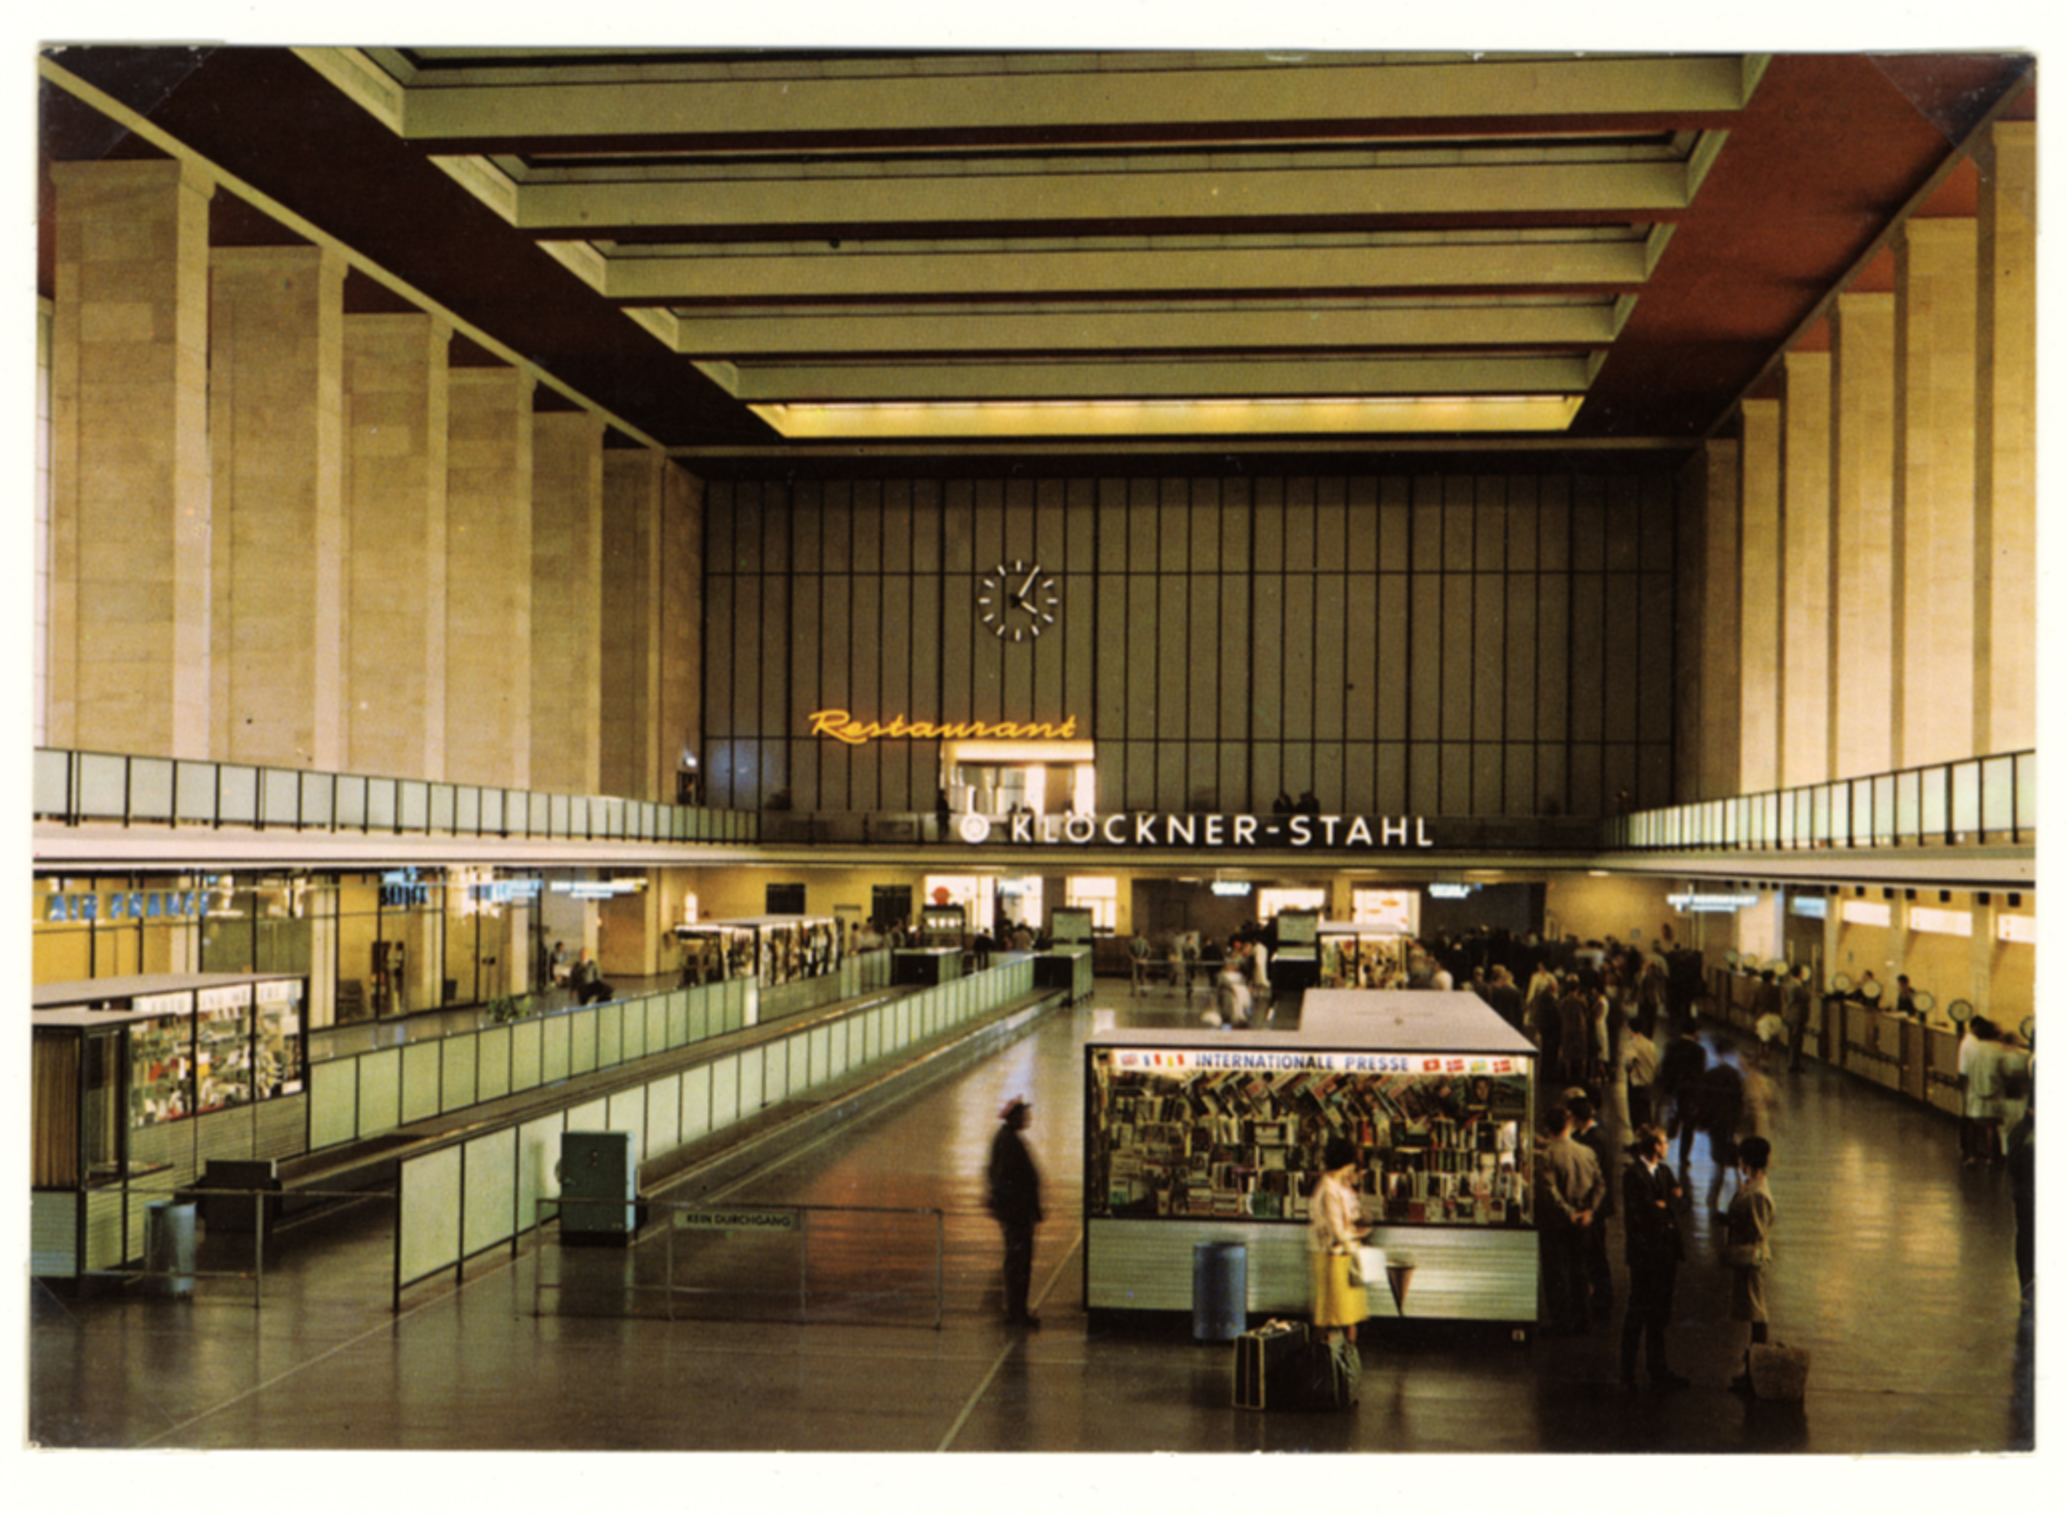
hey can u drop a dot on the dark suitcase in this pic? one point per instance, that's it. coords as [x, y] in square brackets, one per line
[1777, 1371]
[1263, 1362]
[1326, 1374]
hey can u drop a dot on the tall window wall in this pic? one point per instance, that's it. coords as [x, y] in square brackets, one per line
[1436, 644]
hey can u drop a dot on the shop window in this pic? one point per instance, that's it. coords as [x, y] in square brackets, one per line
[785, 900]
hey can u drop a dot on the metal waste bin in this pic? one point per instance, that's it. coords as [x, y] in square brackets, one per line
[1219, 1291]
[169, 1248]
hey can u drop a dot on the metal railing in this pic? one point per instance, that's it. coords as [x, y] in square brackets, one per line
[131, 789]
[1974, 802]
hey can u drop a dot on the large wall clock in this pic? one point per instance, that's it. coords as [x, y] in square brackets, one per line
[1018, 600]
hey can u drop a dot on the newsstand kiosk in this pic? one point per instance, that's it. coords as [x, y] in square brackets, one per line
[1195, 1138]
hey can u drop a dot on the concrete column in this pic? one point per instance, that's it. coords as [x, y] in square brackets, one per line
[396, 400]
[632, 933]
[2006, 443]
[1805, 574]
[276, 426]
[681, 621]
[566, 600]
[635, 567]
[1717, 758]
[1862, 487]
[130, 508]
[1759, 630]
[1935, 284]
[488, 578]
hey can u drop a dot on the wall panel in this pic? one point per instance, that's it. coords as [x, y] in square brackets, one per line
[1433, 641]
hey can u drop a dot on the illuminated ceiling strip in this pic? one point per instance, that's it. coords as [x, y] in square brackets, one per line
[1196, 379]
[1167, 418]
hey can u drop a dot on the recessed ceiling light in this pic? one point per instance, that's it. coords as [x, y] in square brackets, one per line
[1116, 418]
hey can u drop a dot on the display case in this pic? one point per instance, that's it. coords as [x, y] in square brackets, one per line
[140, 1081]
[943, 926]
[1190, 1139]
[1354, 957]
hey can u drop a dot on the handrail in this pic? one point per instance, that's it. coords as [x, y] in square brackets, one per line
[1973, 802]
[77, 787]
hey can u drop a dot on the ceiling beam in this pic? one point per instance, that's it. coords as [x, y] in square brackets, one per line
[1491, 261]
[920, 329]
[1052, 98]
[1482, 375]
[1305, 192]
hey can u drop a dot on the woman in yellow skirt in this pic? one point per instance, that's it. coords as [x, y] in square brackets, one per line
[1333, 1231]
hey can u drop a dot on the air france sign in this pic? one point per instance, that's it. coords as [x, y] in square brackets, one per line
[1152, 829]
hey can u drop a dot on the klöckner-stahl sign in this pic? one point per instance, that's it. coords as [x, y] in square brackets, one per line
[1214, 830]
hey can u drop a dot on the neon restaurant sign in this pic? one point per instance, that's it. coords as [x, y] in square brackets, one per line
[841, 726]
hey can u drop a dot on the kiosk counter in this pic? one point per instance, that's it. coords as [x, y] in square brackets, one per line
[1194, 1137]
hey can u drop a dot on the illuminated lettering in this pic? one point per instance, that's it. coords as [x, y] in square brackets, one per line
[1145, 829]
[1244, 831]
[1394, 831]
[842, 726]
[1180, 827]
[1022, 828]
[1302, 831]
[1116, 821]
[1358, 832]
[1421, 837]
[1328, 825]
[1069, 828]
[1214, 830]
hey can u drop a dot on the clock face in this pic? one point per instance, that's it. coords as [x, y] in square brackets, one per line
[1018, 601]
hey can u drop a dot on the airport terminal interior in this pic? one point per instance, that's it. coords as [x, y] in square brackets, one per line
[631, 645]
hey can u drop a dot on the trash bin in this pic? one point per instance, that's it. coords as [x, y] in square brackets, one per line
[1219, 1291]
[169, 1248]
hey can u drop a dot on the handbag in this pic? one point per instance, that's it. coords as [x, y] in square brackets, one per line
[1366, 1266]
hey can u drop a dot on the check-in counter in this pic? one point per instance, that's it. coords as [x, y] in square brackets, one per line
[1941, 1070]
[925, 965]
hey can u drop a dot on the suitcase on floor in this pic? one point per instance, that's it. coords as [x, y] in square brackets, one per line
[1263, 1362]
[1326, 1374]
[1777, 1371]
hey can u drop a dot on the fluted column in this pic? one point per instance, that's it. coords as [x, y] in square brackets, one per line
[130, 490]
[2006, 443]
[276, 380]
[566, 600]
[1934, 491]
[1805, 573]
[488, 578]
[1862, 486]
[1759, 630]
[396, 401]
[633, 563]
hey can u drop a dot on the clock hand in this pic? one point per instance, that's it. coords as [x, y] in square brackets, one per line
[1030, 578]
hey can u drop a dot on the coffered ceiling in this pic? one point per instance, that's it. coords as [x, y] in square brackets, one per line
[730, 250]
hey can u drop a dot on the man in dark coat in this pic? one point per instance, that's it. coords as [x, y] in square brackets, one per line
[1014, 1197]
[1678, 1087]
[1651, 1246]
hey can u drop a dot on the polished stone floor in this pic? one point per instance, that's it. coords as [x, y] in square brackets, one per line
[1893, 1269]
